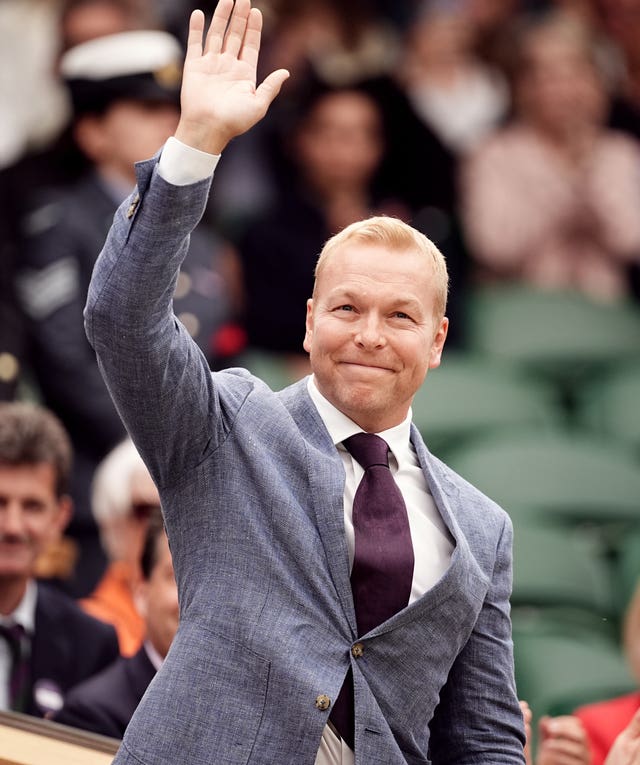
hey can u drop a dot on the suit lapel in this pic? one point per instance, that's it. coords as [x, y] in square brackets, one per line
[326, 478]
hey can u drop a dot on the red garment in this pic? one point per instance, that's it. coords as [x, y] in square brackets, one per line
[604, 720]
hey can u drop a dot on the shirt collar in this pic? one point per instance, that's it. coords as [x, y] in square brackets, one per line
[340, 426]
[152, 653]
[25, 612]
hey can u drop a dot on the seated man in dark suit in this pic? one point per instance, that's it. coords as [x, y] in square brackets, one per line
[47, 644]
[104, 703]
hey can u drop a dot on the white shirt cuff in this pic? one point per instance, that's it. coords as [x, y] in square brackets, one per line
[181, 165]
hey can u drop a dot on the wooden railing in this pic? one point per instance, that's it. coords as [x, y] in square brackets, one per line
[28, 740]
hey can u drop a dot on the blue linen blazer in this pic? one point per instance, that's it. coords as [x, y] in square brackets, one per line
[252, 491]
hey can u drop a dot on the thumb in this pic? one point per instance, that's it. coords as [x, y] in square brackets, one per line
[634, 726]
[544, 726]
[270, 87]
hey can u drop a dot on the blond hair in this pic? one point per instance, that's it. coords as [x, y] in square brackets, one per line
[397, 237]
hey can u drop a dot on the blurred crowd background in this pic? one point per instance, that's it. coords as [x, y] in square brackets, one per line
[508, 131]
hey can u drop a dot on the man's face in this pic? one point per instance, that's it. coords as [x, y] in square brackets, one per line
[129, 131]
[371, 332]
[31, 517]
[157, 600]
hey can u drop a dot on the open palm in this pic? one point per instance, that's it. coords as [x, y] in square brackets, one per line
[219, 97]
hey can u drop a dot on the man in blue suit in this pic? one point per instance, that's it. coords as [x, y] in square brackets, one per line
[260, 492]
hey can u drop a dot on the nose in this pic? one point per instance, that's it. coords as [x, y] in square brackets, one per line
[12, 521]
[370, 332]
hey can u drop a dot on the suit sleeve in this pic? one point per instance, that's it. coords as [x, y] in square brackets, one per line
[157, 376]
[478, 720]
[83, 711]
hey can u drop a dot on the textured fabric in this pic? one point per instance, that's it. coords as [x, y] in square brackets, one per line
[252, 489]
[105, 702]
[20, 647]
[383, 561]
[382, 570]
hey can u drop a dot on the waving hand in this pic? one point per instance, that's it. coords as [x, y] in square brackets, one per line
[219, 97]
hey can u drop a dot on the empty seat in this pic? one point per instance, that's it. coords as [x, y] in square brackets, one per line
[570, 478]
[469, 396]
[563, 336]
[610, 405]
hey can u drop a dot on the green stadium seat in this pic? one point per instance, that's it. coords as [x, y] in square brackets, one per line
[563, 477]
[564, 576]
[562, 336]
[469, 396]
[610, 406]
[556, 671]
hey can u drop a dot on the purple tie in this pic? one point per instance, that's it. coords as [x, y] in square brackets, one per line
[20, 648]
[382, 571]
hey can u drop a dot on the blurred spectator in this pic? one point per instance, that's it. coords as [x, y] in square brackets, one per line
[123, 499]
[587, 737]
[342, 43]
[104, 703]
[552, 200]
[29, 84]
[621, 21]
[458, 95]
[47, 644]
[330, 42]
[124, 90]
[336, 149]
[604, 720]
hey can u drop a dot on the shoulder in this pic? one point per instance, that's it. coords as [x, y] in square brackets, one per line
[56, 606]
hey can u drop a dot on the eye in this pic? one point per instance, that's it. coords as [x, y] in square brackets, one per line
[401, 315]
[345, 307]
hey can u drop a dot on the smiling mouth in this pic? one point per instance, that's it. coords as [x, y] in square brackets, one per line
[364, 365]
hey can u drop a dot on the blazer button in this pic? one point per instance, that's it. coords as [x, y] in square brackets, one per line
[323, 702]
[357, 650]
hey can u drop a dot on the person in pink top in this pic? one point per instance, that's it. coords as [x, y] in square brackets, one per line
[552, 199]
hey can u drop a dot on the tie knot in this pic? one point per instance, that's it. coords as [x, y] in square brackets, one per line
[368, 449]
[13, 634]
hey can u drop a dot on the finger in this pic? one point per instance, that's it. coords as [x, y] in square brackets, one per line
[194, 37]
[237, 27]
[251, 43]
[634, 726]
[218, 26]
[561, 757]
[270, 87]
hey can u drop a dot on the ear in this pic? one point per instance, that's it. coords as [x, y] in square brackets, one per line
[141, 598]
[308, 335]
[63, 516]
[435, 354]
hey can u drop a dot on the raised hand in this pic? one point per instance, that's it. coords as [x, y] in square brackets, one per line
[219, 97]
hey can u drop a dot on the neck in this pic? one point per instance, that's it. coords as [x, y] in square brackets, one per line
[12, 591]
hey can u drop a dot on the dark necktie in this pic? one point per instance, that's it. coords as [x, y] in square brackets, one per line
[20, 649]
[382, 571]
